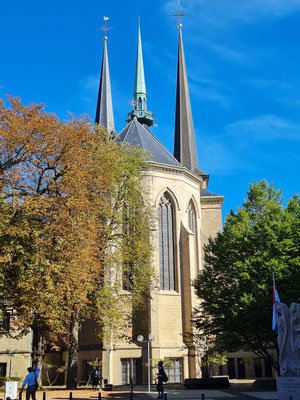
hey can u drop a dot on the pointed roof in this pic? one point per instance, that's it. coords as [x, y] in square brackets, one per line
[185, 150]
[139, 92]
[139, 82]
[104, 110]
[140, 135]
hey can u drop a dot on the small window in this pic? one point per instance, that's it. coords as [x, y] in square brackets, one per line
[3, 370]
[127, 276]
[192, 220]
[173, 369]
[140, 104]
[126, 364]
[193, 227]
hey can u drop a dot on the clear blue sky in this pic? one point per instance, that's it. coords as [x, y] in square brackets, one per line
[243, 64]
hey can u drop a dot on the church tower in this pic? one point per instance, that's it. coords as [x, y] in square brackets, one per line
[104, 110]
[185, 150]
[139, 93]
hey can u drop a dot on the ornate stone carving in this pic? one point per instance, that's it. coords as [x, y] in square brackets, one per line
[288, 321]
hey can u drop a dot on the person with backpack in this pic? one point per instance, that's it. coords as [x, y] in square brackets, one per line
[31, 382]
[161, 378]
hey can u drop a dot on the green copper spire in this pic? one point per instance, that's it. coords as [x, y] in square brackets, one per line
[139, 93]
[139, 82]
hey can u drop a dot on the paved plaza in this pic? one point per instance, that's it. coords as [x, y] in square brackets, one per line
[235, 392]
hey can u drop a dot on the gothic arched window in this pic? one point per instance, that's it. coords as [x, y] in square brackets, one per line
[191, 216]
[140, 103]
[166, 244]
[193, 227]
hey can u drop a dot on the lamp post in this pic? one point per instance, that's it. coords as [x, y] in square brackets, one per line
[140, 339]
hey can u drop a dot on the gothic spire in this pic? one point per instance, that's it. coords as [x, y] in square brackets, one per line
[184, 144]
[139, 93]
[104, 111]
[139, 81]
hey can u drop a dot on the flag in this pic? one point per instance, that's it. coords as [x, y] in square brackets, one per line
[275, 300]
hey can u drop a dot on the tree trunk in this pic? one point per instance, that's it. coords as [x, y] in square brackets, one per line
[73, 353]
[38, 351]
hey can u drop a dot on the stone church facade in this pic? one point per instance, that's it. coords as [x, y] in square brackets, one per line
[188, 214]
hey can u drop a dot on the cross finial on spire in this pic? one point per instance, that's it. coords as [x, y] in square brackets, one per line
[105, 28]
[179, 15]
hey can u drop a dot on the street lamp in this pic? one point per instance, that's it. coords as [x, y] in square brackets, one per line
[140, 339]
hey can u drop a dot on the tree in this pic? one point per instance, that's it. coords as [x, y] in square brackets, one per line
[235, 286]
[63, 187]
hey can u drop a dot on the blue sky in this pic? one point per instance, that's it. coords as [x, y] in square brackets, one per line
[243, 64]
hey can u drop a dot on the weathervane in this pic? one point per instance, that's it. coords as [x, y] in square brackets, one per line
[105, 28]
[179, 15]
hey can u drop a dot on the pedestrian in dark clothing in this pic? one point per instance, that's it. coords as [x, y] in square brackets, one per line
[31, 382]
[96, 378]
[160, 380]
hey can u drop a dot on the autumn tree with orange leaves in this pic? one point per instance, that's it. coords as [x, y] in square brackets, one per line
[69, 196]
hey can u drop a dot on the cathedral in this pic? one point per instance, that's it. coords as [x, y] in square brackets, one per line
[188, 214]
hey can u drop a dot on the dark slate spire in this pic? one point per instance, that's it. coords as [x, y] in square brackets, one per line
[139, 93]
[104, 111]
[184, 144]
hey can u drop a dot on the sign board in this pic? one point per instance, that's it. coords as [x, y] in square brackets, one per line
[11, 390]
[288, 387]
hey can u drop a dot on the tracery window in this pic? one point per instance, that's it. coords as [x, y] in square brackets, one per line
[166, 244]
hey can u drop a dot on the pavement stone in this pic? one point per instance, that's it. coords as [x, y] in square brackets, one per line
[235, 392]
[260, 395]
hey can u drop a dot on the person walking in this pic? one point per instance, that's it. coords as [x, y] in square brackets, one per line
[96, 378]
[31, 382]
[161, 378]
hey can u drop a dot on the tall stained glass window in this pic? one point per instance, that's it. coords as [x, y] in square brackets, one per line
[166, 244]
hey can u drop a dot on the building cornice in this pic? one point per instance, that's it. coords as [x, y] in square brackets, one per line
[212, 199]
[177, 170]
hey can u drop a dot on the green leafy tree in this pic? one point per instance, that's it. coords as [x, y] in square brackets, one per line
[63, 190]
[235, 286]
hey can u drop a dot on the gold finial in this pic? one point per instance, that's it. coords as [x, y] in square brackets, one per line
[179, 26]
[105, 38]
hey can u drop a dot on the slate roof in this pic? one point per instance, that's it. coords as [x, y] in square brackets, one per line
[140, 135]
[104, 110]
[206, 193]
[185, 149]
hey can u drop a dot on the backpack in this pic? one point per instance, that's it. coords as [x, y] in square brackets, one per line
[165, 377]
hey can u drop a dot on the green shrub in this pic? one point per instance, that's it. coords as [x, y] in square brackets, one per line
[4, 379]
